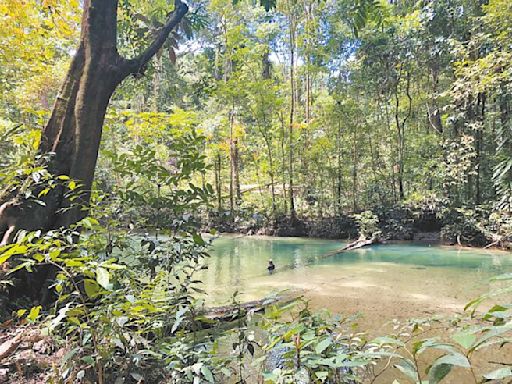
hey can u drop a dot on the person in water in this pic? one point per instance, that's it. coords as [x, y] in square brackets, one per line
[271, 266]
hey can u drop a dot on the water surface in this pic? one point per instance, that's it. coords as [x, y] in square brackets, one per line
[449, 276]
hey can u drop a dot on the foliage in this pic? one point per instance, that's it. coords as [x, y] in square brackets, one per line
[473, 334]
[34, 42]
[397, 110]
[312, 347]
[120, 323]
[368, 225]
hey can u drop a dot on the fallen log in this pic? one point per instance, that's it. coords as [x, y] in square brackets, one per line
[229, 313]
[359, 243]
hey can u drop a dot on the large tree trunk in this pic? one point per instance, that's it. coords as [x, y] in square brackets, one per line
[72, 136]
[73, 132]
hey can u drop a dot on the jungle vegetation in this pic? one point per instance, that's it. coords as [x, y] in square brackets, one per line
[119, 116]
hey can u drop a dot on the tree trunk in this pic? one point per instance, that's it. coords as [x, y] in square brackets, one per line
[434, 114]
[292, 117]
[235, 195]
[266, 64]
[504, 146]
[400, 127]
[72, 136]
[283, 161]
[355, 161]
[74, 130]
[339, 184]
[218, 181]
[268, 143]
[478, 147]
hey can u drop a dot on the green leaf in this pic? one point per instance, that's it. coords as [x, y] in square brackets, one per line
[92, 289]
[321, 375]
[34, 313]
[408, 368]
[115, 267]
[499, 374]
[207, 374]
[103, 278]
[321, 346]
[21, 312]
[388, 340]
[88, 360]
[14, 249]
[465, 339]
[443, 365]
[438, 372]
[179, 319]
[456, 359]
[198, 239]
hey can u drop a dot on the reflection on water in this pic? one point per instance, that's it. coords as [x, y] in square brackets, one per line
[240, 264]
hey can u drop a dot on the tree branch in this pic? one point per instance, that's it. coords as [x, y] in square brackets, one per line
[136, 65]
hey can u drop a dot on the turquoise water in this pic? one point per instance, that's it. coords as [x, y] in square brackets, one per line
[427, 256]
[248, 256]
[239, 264]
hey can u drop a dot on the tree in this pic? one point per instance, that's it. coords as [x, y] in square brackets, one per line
[72, 135]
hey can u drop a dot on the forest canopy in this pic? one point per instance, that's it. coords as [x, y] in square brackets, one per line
[316, 108]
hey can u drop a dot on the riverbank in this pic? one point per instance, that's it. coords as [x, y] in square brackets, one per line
[447, 226]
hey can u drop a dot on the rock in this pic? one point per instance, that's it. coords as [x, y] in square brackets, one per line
[4, 375]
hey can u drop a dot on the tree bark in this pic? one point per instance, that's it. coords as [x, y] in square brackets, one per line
[339, 171]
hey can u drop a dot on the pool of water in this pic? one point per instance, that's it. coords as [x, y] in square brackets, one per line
[416, 272]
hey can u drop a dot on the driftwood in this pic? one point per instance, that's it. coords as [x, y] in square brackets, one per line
[359, 243]
[229, 313]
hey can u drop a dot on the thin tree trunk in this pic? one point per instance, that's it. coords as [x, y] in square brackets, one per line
[218, 181]
[231, 167]
[292, 118]
[236, 170]
[354, 169]
[400, 126]
[434, 114]
[478, 147]
[271, 171]
[339, 170]
[283, 161]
